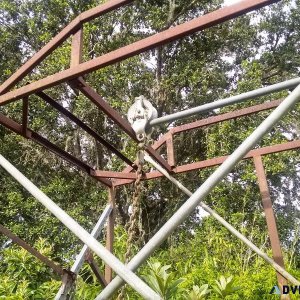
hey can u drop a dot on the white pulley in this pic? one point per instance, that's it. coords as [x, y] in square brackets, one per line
[139, 115]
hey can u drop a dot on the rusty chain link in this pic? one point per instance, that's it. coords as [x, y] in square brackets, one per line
[135, 226]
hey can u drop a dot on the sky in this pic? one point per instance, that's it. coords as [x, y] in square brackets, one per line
[229, 2]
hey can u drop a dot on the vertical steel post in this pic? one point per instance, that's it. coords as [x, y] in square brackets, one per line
[25, 109]
[270, 218]
[76, 52]
[110, 231]
[77, 47]
[170, 149]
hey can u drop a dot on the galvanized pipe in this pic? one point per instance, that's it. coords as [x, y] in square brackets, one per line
[95, 233]
[64, 289]
[240, 236]
[227, 101]
[189, 206]
[133, 280]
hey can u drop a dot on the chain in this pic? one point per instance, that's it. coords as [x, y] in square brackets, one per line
[135, 226]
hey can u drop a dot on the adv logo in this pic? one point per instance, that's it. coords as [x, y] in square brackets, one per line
[286, 289]
[275, 290]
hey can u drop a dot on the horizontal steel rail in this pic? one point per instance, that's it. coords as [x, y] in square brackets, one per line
[212, 162]
[232, 115]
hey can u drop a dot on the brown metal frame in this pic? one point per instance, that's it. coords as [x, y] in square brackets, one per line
[55, 267]
[111, 179]
[270, 217]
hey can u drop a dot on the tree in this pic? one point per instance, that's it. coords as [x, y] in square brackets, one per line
[258, 49]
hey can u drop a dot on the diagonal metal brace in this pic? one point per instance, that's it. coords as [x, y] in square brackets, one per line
[68, 281]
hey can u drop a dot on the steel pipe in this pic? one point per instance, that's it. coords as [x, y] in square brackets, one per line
[227, 101]
[95, 233]
[225, 223]
[189, 206]
[64, 289]
[133, 280]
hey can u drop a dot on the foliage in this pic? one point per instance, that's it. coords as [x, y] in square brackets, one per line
[254, 50]
[161, 281]
[225, 286]
[198, 293]
[22, 276]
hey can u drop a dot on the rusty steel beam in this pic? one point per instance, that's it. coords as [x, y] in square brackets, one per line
[67, 282]
[25, 109]
[216, 17]
[91, 94]
[77, 51]
[110, 231]
[59, 39]
[66, 156]
[110, 174]
[170, 149]
[58, 151]
[34, 136]
[226, 116]
[55, 267]
[270, 217]
[13, 126]
[77, 48]
[116, 117]
[91, 261]
[217, 161]
[83, 126]
[155, 146]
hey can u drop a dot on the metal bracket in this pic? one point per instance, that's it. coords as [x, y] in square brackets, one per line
[139, 115]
